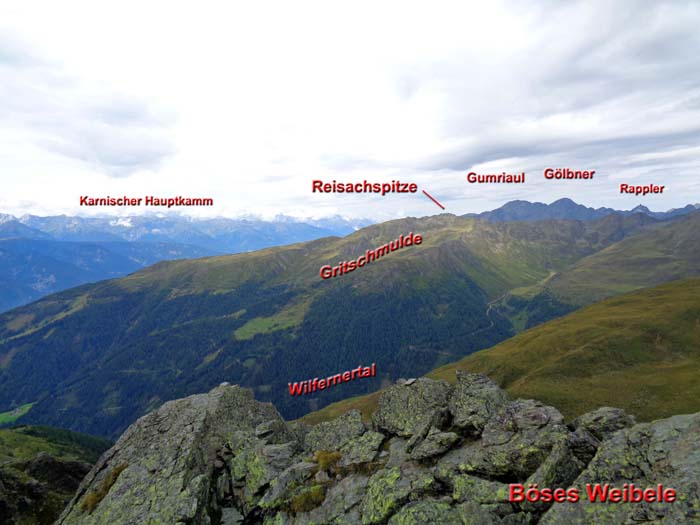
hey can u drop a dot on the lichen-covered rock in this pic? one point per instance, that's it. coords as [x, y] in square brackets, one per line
[161, 468]
[332, 435]
[434, 457]
[471, 488]
[281, 487]
[475, 400]
[398, 455]
[604, 421]
[341, 505]
[231, 516]
[434, 444]
[664, 452]
[404, 408]
[390, 488]
[569, 456]
[513, 443]
[363, 449]
[428, 511]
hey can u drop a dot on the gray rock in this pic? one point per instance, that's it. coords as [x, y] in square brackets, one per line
[434, 444]
[664, 452]
[513, 444]
[466, 487]
[427, 511]
[161, 468]
[265, 429]
[363, 449]
[397, 452]
[569, 456]
[231, 516]
[322, 477]
[404, 409]
[390, 488]
[341, 506]
[475, 400]
[332, 435]
[604, 422]
[222, 457]
[282, 485]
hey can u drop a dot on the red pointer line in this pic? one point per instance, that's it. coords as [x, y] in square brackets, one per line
[433, 199]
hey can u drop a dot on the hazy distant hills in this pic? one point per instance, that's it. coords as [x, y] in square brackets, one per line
[568, 210]
[33, 268]
[221, 235]
[108, 247]
[41, 255]
[95, 357]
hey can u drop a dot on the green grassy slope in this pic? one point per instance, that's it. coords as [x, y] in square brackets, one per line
[664, 253]
[640, 261]
[96, 357]
[639, 351]
[25, 442]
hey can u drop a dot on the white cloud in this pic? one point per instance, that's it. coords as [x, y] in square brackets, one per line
[249, 102]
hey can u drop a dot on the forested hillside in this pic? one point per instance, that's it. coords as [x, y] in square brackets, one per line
[96, 357]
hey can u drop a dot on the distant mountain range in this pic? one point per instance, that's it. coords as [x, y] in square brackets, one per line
[566, 209]
[219, 235]
[42, 255]
[95, 357]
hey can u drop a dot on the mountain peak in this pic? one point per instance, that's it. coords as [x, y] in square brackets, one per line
[566, 209]
[567, 201]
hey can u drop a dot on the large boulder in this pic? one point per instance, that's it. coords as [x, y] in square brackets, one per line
[435, 443]
[665, 452]
[475, 400]
[513, 443]
[361, 450]
[162, 467]
[332, 435]
[407, 407]
[604, 421]
[390, 488]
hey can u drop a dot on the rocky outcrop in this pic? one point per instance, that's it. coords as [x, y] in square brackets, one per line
[665, 452]
[433, 453]
[36, 491]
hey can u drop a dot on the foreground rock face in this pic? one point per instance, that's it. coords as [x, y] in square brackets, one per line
[434, 454]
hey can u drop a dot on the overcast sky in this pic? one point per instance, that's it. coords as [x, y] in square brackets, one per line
[248, 102]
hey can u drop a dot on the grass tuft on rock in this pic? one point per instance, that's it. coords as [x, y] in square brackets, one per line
[93, 498]
[327, 460]
[308, 499]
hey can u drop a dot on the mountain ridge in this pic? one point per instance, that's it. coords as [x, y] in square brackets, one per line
[565, 208]
[266, 318]
[41, 255]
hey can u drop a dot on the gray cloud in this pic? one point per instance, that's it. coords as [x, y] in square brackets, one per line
[114, 133]
[632, 68]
